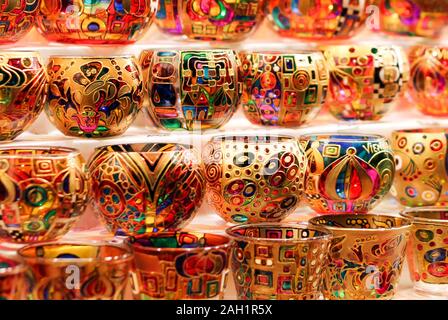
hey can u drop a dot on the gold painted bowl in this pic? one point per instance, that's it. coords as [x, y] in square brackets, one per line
[44, 191]
[14, 283]
[366, 255]
[23, 86]
[278, 261]
[365, 80]
[191, 89]
[254, 178]
[94, 97]
[141, 189]
[181, 266]
[283, 89]
[421, 174]
[347, 173]
[16, 19]
[428, 248]
[79, 270]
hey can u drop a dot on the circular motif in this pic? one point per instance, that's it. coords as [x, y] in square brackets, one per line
[418, 148]
[436, 145]
[301, 80]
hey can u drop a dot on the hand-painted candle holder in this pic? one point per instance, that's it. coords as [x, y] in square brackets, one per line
[365, 80]
[23, 82]
[95, 22]
[317, 20]
[278, 261]
[210, 20]
[13, 280]
[366, 255]
[283, 89]
[424, 18]
[347, 173]
[193, 89]
[254, 178]
[79, 271]
[428, 86]
[16, 19]
[421, 164]
[427, 250]
[181, 266]
[94, 97]
[44, 190]
[142, 189]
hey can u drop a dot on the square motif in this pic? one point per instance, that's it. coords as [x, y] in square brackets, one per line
[332, 150]
[263, 278]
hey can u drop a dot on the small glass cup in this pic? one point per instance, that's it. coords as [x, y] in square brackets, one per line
[191, 89]
[181, 266]
[317, 20]
[211, 20]
[95, 22]
[428, 249]
[429, 73]
[140, 189]
[366, 255]
[23, 91]
[347, 173]
[283, 89]
[13, 279]
[43, 192]
[421, 176]
[421, 18]
[79, 270]
[254, 178]
[365, 80]
[94, 97]
[278, 261]
[16, 19]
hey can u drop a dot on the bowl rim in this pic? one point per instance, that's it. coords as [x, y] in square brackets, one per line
[251, 137]
[343, 137]
[90, 57]
[188, 147]
[9, 271]
[20, 52]
[141, 249]
[420, 131]
[407, 214]
[66, 152]
[299, 225]
[285, 52]
[128, 254]
[351, 229]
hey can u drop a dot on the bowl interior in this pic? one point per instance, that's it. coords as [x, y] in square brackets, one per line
[428, 215]
[60, 252]
[277, 232]
[361, 221]
[180, 240]
[345, 137]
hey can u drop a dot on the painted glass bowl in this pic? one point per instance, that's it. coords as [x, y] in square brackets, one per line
[365, 80]
[254, 178]
[211, 20]
[427, 250]
[283, 89]
[141, 189]
[95, 22]
[424, 18]
[94, 97]
[191, 89]
[23, 86]
[278, 261]
[366, 255]
[13, 279]
[16, 19]
[44, 190]
[347, 172]
[428, 85]
[421, 164]
[181, 266]
[78, 270]
[317, 20]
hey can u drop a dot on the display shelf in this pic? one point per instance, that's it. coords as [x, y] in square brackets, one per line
[403, 116]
